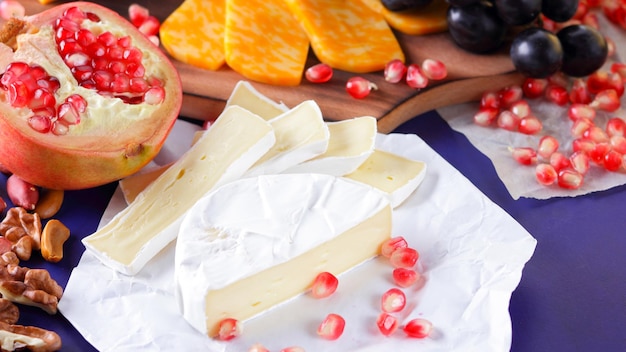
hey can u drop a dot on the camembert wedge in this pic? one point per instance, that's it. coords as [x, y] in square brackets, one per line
[256, 242]
[249, 98]
[224, 153]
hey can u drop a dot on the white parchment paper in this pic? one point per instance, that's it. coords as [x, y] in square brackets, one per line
[495, 142]
[472, 256]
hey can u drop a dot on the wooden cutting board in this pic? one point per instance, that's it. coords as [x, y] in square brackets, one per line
[469, 75]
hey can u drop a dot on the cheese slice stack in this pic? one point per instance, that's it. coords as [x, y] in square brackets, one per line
[236, 140]
[263, 41]
[347, 35]
[393, 174]
[431, 18]
[249, 98]
[194, 33]
[256, 242]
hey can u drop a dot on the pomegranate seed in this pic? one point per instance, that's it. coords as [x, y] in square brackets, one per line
[319, 73]
[418, 328]
[597, 82]
[582, 145]
[78, 102]
[404, 277]
[486, 116]
[394, 300]
[615, 126]
[524, 155]
[74, 14]
[559, 161]
[391, 244]
[68, 114]
[618, 143]
[612, 160]
[415, 77]
[11, 8]
[138, 85]
[591, 19]
[387, 324]
[404, 257]
[520, 108]
[570, 179]
[18, 94]
[580, 126]
[534, 87]
[125, 42]
[596, 134]
[547, 146]
[59, 128]
[545, 174]
[530, 125]
[120, 83]
[510, 95]
[557, 95]
[154, 39]
[490, 100]
[606, 100]
[577, 111]
[616, 82]
[324, 285]
[394, 71]
[580, 162]
[619, 67]
[107, 39]
[229, 328]
[40, 123]
[579, 94]
[154, 95]
[257, 347]
[598, 152]
[150, 26]
[137, 14]
[359, 87]
[41, 98]
[292, 349]
[135, 70]
[332, 327]
[434, 69]
[508, 120]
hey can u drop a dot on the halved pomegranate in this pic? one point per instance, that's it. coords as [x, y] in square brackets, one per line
[85, 98]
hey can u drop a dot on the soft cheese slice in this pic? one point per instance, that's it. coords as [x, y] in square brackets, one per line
[232, 144]
[194, 33]
[351, 143]
[431, 18]
[347, 35]
[301, 134]
[246, 96]
[256, 242]
[263, 41]
[393, 174]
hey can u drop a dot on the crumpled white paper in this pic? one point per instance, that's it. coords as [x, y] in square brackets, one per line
[495, 142]
[472, 256]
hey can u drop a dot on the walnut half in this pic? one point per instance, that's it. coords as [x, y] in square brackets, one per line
[18, 337]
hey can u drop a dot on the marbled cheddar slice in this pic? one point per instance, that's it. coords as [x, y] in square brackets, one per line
[424, 20]
[393, 174]
[347, 35]
[194, 33]
[224, 153]
[246, 96]
[263, 41]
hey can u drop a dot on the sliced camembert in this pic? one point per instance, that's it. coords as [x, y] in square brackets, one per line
[236, 140]
[249, 98]
[256, 242]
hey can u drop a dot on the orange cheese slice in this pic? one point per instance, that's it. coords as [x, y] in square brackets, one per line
[264, 42]
[194, 33]
[425, 20]
[347, 34]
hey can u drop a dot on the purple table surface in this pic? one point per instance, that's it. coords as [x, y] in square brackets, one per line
[572, 296]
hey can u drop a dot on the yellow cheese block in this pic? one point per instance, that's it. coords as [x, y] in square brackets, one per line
[425, 20]
[347, 35]
[194, 33]
[263, 41]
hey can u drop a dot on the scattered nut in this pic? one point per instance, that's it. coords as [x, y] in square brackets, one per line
[50, 201]
[36, 288]
[3, 205]
[9, 313]
[22, 194]
[53, 237]
[19, 224]
[18, 338]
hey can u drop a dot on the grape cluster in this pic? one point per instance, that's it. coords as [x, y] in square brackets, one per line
[483, 26]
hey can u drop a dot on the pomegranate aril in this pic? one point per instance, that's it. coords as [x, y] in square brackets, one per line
[404, 257]
[40, 123]
[292, 349]
[41, 98]
[18, 94]
[620, 68]
[490, 100]
[332, 327]
[597, 82]
[59, 128]
[120, 83]
[154, 95]
[618, 143]
[580, 126]
[559, 161]
[534, 87]
[598, 152]
[616, 82]
[596, 134]
[524, 155]
[520, 108]
[138, 85]
[545, 174]
[150, 26]
[418, 328]
[137, 14]
[391, 244]
[530, 125]
[78, 102]
[510, 95]
[228, 329]
[393, 300]
[324, 285]
[359, 87]
[415, 77]
[387, 324]
[82, 73]
[107, 39]
[615, 126]
[577, 111]
[404, 277]
[102, 80]
[77, 59]
[582, 145]
[68, 114]
[486, 116]
[96, 50]
[612, 160]
[135, 70]
[606, 100]
[508, 120]
[319, 73]
[570, 179]
[579, 94]
[132, 55]
[580, 162]
[117, 67]
[434, 69]
[125, 42]
[557, 95]
[115, 53]
[74, 14]
[257, 347]
[394, 71]
[547, 146]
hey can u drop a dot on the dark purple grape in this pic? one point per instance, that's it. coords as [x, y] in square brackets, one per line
[462, 2]
[476, 27]
[402, 5]
[518, 12]
[536, 53]
[559, 10]
[584, 50]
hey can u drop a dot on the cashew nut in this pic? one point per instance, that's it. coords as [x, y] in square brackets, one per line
[53, 237]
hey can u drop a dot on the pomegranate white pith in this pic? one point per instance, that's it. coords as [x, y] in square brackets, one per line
[114, 137]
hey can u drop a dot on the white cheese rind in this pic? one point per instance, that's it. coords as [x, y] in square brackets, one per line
[253, 225]
[301, 134]
[224, 153]
[351, 143]
[246, 96]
